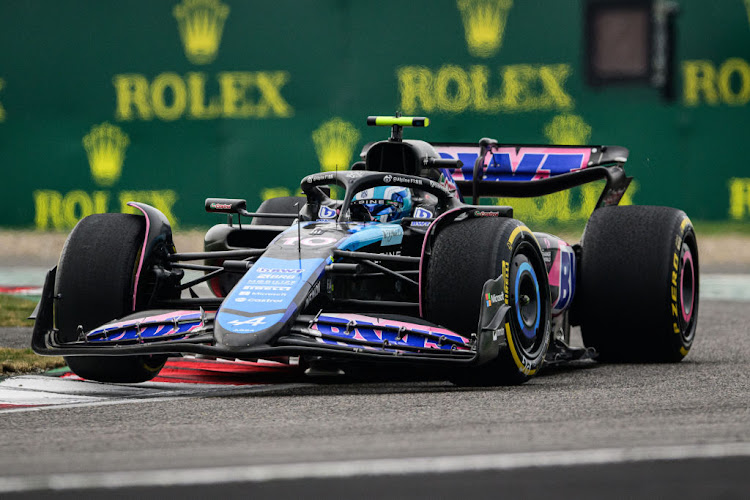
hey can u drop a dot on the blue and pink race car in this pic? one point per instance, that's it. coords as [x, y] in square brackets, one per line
[404, 266]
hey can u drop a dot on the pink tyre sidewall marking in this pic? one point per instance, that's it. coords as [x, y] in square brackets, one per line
[687, 259]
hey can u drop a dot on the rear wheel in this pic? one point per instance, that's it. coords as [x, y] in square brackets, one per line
[95, 284]
[639, 284]
[464, 257]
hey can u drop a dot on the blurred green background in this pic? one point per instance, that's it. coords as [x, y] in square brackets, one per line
[172, 101]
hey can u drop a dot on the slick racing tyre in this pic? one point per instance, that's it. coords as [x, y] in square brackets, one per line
[464, 256]
[280, 205]
[638, 287]
[94, 285]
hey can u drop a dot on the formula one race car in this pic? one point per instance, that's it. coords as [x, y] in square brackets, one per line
[398, 269]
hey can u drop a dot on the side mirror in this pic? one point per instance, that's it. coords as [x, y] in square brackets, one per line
[226, 205]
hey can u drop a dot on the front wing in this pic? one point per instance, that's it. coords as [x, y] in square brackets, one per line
[332, 335]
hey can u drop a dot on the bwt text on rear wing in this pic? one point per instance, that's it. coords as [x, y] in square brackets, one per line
[523, 170]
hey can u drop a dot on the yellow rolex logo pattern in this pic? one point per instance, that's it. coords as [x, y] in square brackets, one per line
[201, 23]
[739, 198]
[567, 129]
[484, 24]
[105, 147]
[334, 144]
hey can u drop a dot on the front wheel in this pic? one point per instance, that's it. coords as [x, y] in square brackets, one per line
[464, 257]
[96, 283]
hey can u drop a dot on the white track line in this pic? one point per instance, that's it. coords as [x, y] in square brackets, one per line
[56, 393]
[733, 287]
[377, 467]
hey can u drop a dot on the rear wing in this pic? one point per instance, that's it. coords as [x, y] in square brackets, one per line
[523, 170]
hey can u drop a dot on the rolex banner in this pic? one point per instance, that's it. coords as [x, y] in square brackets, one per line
[169, 102]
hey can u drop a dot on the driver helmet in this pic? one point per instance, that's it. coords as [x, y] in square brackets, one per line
[385, 203]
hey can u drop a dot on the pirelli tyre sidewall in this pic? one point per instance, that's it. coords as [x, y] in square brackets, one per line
[527, 330]
[638, 292]
[684, 288]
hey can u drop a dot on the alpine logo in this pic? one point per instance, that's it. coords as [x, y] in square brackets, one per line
[252, 321]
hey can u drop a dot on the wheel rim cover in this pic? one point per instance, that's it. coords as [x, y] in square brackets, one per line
[525, 272]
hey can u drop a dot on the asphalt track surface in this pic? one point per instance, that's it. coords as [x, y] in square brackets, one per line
[615, 431]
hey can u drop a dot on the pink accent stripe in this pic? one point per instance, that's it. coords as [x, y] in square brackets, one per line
[143, 252]
[389, 322]
[554, 272]
[148, 319]
[517, 156]
[421, 260]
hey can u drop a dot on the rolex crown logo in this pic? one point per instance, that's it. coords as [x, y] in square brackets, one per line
[568, 129]
[201, 23]
[334, 143]
[105, 146]
[484, 24]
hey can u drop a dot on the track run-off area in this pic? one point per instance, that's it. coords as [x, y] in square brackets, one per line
[213, 427]
[195, 376]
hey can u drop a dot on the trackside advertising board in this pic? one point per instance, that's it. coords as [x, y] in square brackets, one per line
[170, 102]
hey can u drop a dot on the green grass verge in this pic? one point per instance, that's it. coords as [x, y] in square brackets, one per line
[15, 310]
[18, 361]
